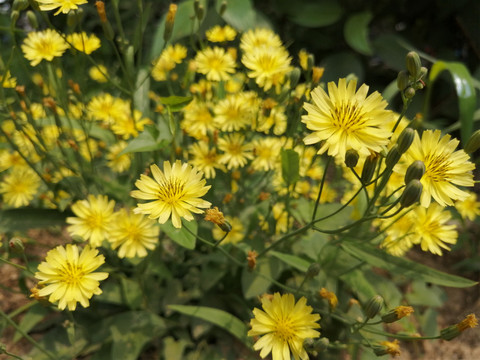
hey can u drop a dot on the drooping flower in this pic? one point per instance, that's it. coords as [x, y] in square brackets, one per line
[283, 326]
[235, 235]
[92, 219]
[43, 45]
[83, 42]
[64, 6]
[445, 167]
[215, 63]
[176, 192]
[19, 187]
[68, 276]
[347, 119]
[133, 234]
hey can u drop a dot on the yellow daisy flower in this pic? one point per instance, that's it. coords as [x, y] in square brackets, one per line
[64, 6]
[19, 187]
[259, 37]
[107, 108]
[128, 126]
[445, 168]
[284, 325]
[468, 208]
[43, 45]
[116, 162]
[197, 119]
[133, 234]
[221, 34]
[98, 73]
[234, 112]
[215, 63]
[83, 42]
[176, 193]
[9, 81]
[347, 119]
[172, 55]
[266, 153]
[68, 276]
[236, 151]
[93, 219]
[205, 159]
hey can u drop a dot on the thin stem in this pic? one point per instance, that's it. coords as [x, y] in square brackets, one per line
[20, 267]
[400, 336]
[321, 189]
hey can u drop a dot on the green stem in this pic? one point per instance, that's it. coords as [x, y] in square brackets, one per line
[321, 189]
[20, 267]
[400, 336]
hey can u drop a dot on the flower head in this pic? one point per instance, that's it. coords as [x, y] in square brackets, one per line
[19, 187]
[469, 208]
[176, 193]
[43, 45]
[347, 119]
[205, 159]
[215, 63]
[283, 325]
[236, 151]
[221, 34]
[83, 42]
[93, 219]
[64, 6]
[68, 276]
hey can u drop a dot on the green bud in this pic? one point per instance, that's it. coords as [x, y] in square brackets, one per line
[294, 77]
[369, 168]
[19, 5]
[74, 17]
[373, 306]
[32, 19]
[200, 12]
[450, 332]
[415, 171]
[16, 245]
[380, 350]
[130, 59]
[107, 30]
[225, 226]
[409, 92]
[403, 80]
[223, 8]
[196, 5]
[423, 72]
[413, 64]
[313, 270]
[405, 140]
[411, 194]
[310, 62]
[473, 144]
[320, 345]
[351, 158]
[393, 156]
[14, 15]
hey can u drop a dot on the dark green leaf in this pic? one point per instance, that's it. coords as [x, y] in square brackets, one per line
[290, 166]
[140, 96]
[218, 317]
[142, 143]
[31, 318]
[356, 32]
[28, 218]
[258, 282]
[341, 65]
[176, 103]
[402, 266]
[182, 236]
[315, 14]
[292, 260]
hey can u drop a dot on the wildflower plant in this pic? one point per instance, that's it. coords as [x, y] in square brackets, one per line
[208, 177]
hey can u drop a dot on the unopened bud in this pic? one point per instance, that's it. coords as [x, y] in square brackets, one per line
[19, 5]
[313, 270]
[14, 15]
[411, 194]
[317, 73]
[409, 93]
[423, 72]
[393, 156]
[169, 22]
[101, 11]
[405, 140]
[369, 168]
[415, 171]
[396, 314]
[473, 144]
[351, 158]
[223, 8]
[453, 331]
[252, 259]
[402, 80]
[16, 245]
[74, 17]
[294, 77]
[373, 306]
[413, 64]
[310, 61]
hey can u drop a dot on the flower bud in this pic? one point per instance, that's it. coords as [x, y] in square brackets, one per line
[473, 144]
[453, 331]
[19, 5]
[100, 5]
[310, 61]
[393, 156]
[397, 313]
[317, 73]
[223, 8]
[294, 77]
[369, 168]
[14, 15]
[402, 80]
[387, 347]
[415, 171]
[74, 17]
[409, 93]
[313, 270]
[413, 64]
[411, 194]
[16, 245]
[423, 72]
[405, 140]
[351, 158]
[200, 12]
[373, 306]
[169, 22]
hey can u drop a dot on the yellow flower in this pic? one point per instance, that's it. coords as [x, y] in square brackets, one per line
[64, 6]
[133, 234]
[221, 34]
[19, 187]
[205, 159]
[8, 81]
[117, 162]
[259, 37]
[468, 208]
[284, 325]
[98, 73]
[347, 119]
[234, 112]
[399, 235]
[68, 276]
[43, 45]
[215, 63]
[128, 126]
[83, 42]
[236, 152]
[172, 55]
[236, 233]
[176, 192]
[93, 219]
[197, 119]
[445, 168]
[330, 297]
[391, 347]
[267, 65]
[107, 108]
[267, 153]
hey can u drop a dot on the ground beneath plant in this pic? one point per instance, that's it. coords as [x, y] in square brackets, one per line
[460, 303]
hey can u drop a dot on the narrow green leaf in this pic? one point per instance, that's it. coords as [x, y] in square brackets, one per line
[28, 218]
[221, 318]
[182, 236]
[356, 32]
[140, 97]
[292, 260]
[176, 103]
[290, 166]
[402, 266]
[31, 318]
[142, 143]
[464, 88]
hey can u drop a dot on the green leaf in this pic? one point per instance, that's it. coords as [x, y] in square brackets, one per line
[182, 236]
[31, 318]
[315, 14]
[258, 282]
[424, 295]
[290, 166]
[132, 292]
[239, 13]
[292, 260]
[221, 318]
[145, 141]
[140, 97]
[464, 88]
[356, 32]
[361, 286]
[28, 218]
[176, 103]
[341, 65]
[402, 266]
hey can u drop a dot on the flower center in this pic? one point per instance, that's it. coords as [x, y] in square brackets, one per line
[171, 191]
[284, 329]
[436, 167]
[71, 274]
[95, 220]
[348, 117]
